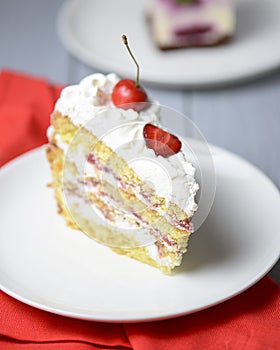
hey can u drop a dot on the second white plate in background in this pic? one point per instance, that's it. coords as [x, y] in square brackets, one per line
[91, 30]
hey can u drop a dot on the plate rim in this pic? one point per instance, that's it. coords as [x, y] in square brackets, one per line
[39, 151]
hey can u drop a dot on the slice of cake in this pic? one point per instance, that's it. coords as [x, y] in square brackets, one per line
[190, 23]
[118, 176]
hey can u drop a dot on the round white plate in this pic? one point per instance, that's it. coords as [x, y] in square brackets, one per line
[91, 30]
[47, 265]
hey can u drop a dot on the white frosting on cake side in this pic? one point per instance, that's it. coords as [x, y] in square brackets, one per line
[89, 104]
[171, 177]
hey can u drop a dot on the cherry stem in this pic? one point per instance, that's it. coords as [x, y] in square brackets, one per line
[124, 39]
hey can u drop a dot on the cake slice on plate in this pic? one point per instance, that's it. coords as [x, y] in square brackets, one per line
[117, 175]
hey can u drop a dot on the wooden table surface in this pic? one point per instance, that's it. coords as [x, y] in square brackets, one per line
[244, 118]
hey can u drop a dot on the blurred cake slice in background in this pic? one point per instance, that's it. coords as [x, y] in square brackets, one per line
[190, 23]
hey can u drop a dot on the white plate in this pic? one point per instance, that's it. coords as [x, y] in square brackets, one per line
[47, 265]
[91, 30]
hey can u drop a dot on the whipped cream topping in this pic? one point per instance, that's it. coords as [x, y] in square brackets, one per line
[89, 104]
[81, 102]
[92, 95]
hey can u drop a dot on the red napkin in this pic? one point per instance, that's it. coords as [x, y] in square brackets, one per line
[25, 107]
[249, 321]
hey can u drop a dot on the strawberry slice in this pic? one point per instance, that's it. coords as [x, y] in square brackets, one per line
[162, 142]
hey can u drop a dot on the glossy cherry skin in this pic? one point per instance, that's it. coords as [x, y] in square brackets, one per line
[127, 96]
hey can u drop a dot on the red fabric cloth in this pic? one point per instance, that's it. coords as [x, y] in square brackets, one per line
[25, 107]
[250, 321]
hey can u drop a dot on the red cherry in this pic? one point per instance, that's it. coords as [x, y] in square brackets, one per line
[126, 95]
[162, 142]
